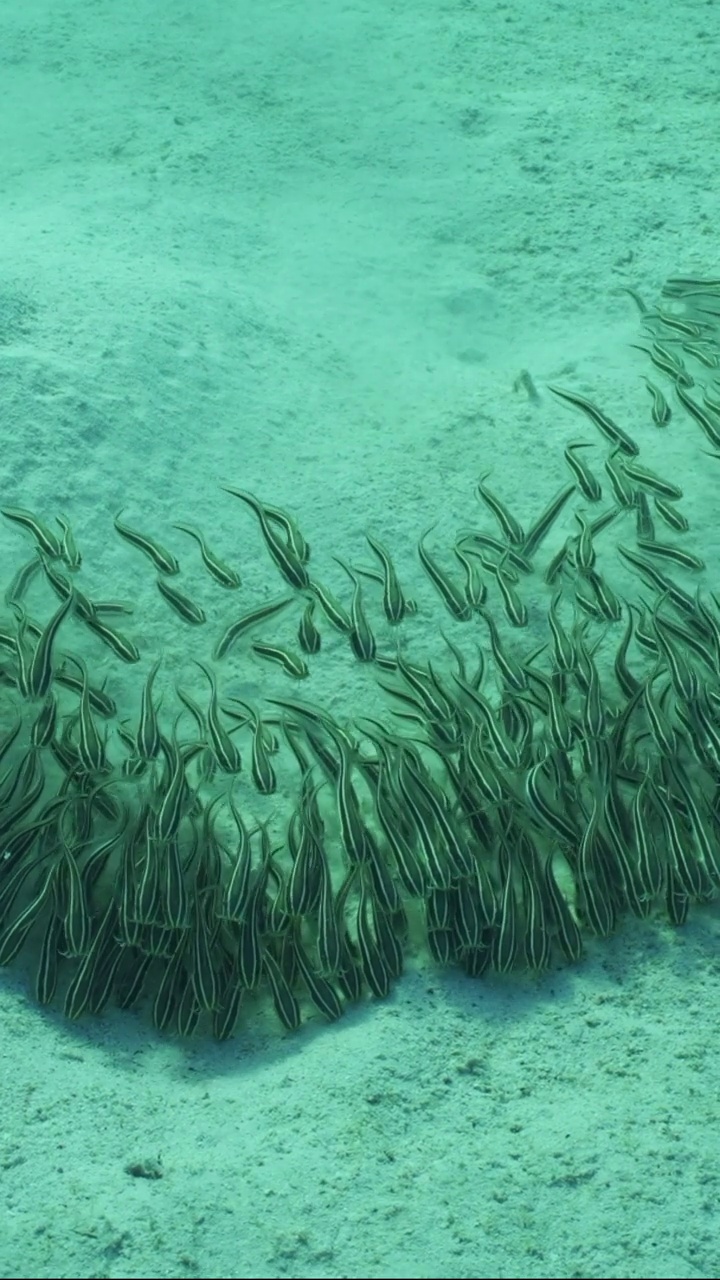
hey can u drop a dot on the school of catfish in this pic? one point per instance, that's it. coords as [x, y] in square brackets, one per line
[505, 806]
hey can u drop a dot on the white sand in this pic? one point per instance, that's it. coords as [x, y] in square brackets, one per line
[306, 249]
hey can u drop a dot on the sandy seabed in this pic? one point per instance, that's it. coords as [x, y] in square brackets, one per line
[307, 250]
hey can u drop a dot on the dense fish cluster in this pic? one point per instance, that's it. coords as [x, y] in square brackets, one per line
[498, 812]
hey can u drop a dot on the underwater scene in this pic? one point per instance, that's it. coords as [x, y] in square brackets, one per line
[359, 641]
